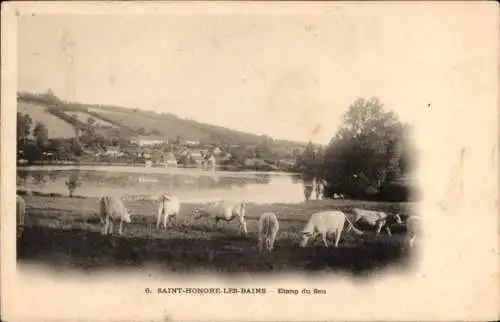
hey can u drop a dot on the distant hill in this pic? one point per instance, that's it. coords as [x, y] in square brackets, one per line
[68, 116]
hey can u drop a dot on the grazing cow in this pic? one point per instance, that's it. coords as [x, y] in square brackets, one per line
[324, 223]
[20, 212]
[268, 229]
[112, 210]
[377, 219]
[412, 229]
[224, 211]
[168, 207]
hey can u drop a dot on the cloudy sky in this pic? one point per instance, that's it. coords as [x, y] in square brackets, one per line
[287, 75]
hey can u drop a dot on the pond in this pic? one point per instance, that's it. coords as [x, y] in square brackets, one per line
[190, 185]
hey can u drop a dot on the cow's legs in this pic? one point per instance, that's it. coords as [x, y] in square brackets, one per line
[120, 228]
[158, 217]
[243, 225]
[272, 240]
[165, 219]
[104, 229]
[337, 236]
[379, 227]
[111, 227]
[261, 244]
[324, 239]
[170, 221]
[388, 230]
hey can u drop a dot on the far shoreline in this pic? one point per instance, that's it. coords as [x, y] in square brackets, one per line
[152, 170]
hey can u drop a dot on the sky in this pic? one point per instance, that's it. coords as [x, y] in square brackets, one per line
[290, 75]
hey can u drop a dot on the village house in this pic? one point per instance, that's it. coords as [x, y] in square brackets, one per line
[192, 143]
[165, 159]
[148, 140]
[113, 151]
[191, 156]
[144, 153]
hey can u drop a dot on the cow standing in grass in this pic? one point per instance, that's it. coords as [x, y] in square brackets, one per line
[224, 211]
[268, 229]
[112, 210]
[20, 214]
[168, 207]
[376, 219]
[326, 223]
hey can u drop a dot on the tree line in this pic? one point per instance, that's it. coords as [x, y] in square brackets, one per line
[367, 155]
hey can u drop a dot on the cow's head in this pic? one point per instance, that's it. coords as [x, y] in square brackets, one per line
[197, 212]
[165, 197]
[304, 238]
[394, 219]
[126, 217]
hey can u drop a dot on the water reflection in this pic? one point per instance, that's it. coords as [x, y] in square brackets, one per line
[201, 186]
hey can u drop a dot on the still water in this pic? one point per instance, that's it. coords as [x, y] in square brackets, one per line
[191, 185]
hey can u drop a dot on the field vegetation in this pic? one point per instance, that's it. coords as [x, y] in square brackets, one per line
[63, 232]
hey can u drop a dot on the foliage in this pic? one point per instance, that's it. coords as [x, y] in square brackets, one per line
[41, 135]
[24, 123]
[72, 183]
[364, 153]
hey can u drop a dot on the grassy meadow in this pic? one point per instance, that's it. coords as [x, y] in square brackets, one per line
[65, 232]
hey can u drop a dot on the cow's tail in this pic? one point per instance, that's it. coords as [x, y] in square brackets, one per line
[357, 231]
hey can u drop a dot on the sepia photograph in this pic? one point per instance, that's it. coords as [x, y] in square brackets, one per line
[226, 143]
[146, 158]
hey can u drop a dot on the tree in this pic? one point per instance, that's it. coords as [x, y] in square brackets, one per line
[61, 148]
[359, 155]
[24, 123]
[41, 135]
[141, 130]
[76, 148]
[72, 183]
[155, 132]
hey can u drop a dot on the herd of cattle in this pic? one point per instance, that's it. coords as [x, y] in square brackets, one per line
[327, 223]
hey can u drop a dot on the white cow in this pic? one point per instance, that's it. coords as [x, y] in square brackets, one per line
[226, 211]
[324, 223]
[112, 210]
[20, 214]
[168, 207]
[268, 229]
[412, 229]
[377, 219]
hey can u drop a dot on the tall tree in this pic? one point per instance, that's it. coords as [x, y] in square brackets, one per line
[41, 135]
[24, 123]
[360, 152]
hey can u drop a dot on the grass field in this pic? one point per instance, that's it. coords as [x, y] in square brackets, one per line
[65, 232]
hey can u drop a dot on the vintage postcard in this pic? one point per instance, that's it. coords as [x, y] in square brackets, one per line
[249, 161]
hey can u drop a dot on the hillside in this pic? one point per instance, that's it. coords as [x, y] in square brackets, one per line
[56, 127]
[47, 108]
